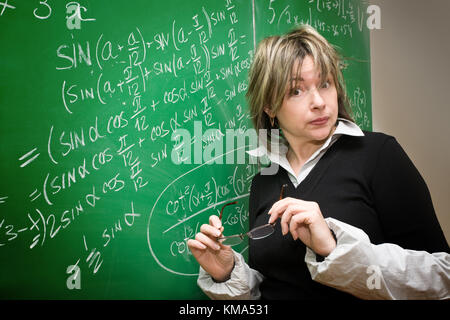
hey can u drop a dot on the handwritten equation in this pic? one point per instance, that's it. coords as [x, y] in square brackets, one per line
[121, 97]
[95, 176]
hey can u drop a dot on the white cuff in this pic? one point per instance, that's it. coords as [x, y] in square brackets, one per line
[242, 285]
[384, 271]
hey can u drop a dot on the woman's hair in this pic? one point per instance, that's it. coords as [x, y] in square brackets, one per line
[272, 68]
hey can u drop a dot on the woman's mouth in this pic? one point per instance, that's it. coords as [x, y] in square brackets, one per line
[319, 121]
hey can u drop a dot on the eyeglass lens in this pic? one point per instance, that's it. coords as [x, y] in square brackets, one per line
[254, 234]
[261, 232]
[232, 240]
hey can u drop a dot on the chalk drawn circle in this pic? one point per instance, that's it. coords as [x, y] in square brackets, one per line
[163, 231]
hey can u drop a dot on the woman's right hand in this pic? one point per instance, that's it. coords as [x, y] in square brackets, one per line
[214, 257]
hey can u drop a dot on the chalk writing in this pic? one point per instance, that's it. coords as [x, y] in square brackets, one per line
[5, 6]
[96, 177]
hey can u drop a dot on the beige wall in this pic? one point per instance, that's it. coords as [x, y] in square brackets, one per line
[411, 88]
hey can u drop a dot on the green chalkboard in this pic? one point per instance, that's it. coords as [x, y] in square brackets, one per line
[112, 138]
[344, 24]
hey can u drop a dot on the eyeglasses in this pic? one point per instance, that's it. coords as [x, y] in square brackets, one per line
[257, 233]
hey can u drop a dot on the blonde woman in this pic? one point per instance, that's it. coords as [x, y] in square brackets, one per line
[346, 215]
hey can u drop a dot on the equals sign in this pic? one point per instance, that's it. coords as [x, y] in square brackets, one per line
[3, 199]
[34, 195]
[28, 157]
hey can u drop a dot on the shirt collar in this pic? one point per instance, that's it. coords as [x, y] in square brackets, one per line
[278, 154]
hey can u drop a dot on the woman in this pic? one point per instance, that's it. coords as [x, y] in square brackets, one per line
[356, 218]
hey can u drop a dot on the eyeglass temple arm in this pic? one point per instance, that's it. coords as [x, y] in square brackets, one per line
[228, 204]
[281, 197]
[282, 190]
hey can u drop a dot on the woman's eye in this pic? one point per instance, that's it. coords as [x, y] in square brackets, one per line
[296, 92]
[325, 85]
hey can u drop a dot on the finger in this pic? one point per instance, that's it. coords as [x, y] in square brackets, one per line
[287, 216]
[215, 221]
[280, 207]
[277, 209]
[207, 241]
[318, 237]
[277, 205]
[194, 244]
[297, 221]
[210, 231]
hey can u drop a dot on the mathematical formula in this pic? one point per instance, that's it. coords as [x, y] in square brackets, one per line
[95, 163]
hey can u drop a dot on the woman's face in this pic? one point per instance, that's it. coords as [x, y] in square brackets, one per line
[310, 108]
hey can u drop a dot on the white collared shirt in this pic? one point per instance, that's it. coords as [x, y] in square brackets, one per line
[356, 265]
[278, 156]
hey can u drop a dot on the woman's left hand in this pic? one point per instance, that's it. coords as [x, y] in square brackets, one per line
[304, 220]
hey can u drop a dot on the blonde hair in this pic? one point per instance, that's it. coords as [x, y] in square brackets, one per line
[272, 67]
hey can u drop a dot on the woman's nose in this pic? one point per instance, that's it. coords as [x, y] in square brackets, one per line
[317, 101]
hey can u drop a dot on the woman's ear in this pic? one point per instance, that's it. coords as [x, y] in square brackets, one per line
[269, 112]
